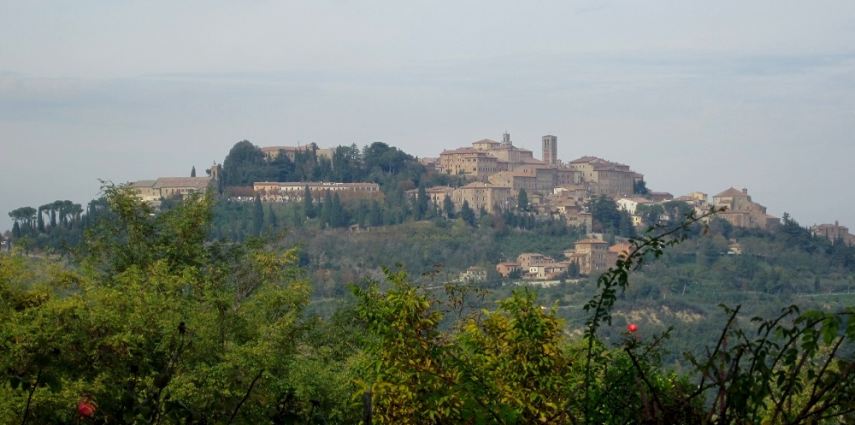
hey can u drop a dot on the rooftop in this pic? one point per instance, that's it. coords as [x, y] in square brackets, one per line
[193, 182]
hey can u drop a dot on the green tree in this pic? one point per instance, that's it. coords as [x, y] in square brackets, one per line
[193, 171]
[448, 207]
[156, 327]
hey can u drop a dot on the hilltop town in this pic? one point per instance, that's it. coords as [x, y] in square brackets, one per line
[491, 177]
[487, 178]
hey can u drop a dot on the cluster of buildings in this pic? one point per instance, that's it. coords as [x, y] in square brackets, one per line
[588, 256]
[153, 191]
[500, 170]
[502, 164]
[834, 232]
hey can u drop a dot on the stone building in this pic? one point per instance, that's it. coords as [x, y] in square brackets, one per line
[833, 232]
[467, 161]
[741, 211]
[482, 195]
[606, 177]
[170, 187]
[590, 255]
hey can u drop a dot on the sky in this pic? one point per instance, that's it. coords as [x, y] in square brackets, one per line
[696, 95]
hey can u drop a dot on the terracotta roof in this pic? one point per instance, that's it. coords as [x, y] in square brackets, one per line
[620, 247]
[490, 141]
[731, 192]
[463, 151]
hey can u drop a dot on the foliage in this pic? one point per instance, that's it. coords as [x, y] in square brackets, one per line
[157, 327]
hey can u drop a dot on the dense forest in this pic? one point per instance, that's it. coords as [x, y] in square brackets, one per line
[155, 322]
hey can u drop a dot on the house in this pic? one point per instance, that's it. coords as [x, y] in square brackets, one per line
[548, 271]
[590, 255]
[630, 204]
[474, 274]
[507, 268]
[528, 259]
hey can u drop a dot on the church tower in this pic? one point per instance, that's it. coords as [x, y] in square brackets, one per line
[550, 150]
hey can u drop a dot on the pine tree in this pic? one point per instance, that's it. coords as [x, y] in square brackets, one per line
[41, 221]
[193, 171]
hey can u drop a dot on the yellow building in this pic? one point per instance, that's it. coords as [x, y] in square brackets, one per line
[467, 161]
[482, 195]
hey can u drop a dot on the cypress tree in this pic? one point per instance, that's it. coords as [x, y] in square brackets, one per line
[258, 216]
[522, 200]
[308, 207]
[421, 203]
[467, 214]
[448, 207]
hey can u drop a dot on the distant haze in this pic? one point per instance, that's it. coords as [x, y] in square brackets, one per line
[694, 95]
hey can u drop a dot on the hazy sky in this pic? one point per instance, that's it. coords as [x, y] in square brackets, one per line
[697, 95]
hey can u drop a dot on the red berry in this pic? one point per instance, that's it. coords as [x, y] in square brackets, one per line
[86, 409]
[632, 327]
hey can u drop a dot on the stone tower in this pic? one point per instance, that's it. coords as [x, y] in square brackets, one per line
[550, 150]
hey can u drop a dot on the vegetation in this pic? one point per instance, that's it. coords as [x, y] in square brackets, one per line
[153, 323]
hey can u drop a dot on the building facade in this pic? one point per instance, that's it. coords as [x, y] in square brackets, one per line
[482, 195]
[293, 191]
